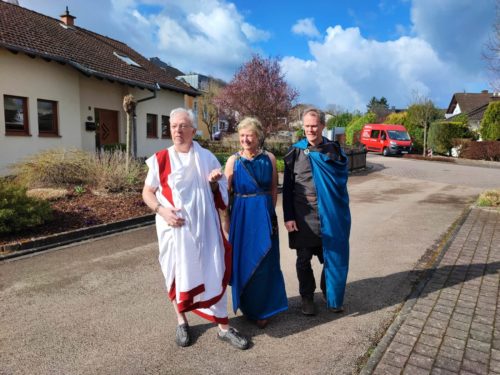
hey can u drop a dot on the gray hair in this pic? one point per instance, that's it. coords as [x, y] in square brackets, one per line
[316, 113]
[252, 124]
[187, 112]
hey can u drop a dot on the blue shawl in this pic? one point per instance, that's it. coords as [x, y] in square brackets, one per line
[330, 180]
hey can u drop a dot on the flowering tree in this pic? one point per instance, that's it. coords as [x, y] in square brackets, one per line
[259, 90]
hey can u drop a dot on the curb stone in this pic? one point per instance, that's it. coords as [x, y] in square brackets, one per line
[411, 300]
[18, 249]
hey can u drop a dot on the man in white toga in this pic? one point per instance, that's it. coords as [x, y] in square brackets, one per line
[185, 187]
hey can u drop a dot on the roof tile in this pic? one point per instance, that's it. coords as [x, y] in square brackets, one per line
[36, 34]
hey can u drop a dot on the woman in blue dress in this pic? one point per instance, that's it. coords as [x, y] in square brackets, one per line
[257, 284]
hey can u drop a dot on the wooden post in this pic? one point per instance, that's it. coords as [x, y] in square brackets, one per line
[129, 104]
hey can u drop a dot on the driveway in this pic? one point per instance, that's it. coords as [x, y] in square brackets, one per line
[100, 307]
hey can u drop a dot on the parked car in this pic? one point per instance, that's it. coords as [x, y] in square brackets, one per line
[386, 138]
[217, 136]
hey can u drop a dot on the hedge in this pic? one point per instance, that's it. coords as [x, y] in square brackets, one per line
[485, 150]
[442, 134]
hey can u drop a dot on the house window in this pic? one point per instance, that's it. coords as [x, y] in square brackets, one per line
[152, 125]
[165, 127]
[16, 115]
[126, 59]
[47, 117]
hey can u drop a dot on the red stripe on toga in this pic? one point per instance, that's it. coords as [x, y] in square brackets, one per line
[163, 159]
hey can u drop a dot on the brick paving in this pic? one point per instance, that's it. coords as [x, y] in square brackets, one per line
[453, 326]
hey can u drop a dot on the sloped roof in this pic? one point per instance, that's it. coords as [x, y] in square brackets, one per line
[37, 35]
[170, 70]
[477, 113]
[469, 101]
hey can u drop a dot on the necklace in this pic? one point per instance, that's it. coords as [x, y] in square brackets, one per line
[250, 155]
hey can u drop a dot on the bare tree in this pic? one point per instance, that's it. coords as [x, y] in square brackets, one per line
[491, 51]
[208, 111]
[421, 113]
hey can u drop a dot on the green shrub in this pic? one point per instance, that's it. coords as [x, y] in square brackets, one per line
[354, 127]
[442, 134]
[18, 211]
[489, 198]
[222, 157]
[490, 124]
[280, 165]
[341, 120]
[396, 118]
[277, 148]
[417, 137]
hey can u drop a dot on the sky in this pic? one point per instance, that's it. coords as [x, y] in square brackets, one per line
[334, 53]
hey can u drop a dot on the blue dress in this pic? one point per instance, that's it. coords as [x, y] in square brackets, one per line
[257, 284]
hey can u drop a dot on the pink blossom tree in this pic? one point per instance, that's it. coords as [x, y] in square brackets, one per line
[258, 89]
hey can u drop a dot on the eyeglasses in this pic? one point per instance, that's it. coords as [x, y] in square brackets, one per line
[180, 127]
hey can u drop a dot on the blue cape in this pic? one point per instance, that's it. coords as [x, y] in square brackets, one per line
[330, 180]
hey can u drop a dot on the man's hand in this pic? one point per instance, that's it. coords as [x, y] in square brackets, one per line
[170, 216]
[215, 175]
[291, 226]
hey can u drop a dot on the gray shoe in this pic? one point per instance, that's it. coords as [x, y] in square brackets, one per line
[233, 337]
[182, 335]
[308, 307]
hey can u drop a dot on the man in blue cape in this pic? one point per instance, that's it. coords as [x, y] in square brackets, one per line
[316, 212]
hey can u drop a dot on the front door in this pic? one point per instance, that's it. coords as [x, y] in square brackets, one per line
[107, 129]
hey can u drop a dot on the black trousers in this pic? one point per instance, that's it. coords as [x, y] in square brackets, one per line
[305, 274]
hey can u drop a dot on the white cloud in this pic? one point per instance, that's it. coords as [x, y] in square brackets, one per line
[456, 29]
[306, 27]
[437, 55]
[209, 37]
[348, 70]
[443, 56]
[253, 34]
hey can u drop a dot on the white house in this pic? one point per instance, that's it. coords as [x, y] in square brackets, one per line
[472, 104]
[62, 86]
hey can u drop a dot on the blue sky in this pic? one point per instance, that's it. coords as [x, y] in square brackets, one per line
[332, 52]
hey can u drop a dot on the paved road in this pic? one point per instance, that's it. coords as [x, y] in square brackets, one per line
[444, 172]
[100, 307]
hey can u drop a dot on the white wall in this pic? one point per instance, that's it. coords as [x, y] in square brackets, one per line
[164, 102]
[77, 97]
[95, 93]
[35, 79]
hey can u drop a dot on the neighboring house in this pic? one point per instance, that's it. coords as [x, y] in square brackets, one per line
[206, 85]
[62, 86]
[472, 104]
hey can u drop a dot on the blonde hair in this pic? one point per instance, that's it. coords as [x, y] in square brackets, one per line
[252, 124]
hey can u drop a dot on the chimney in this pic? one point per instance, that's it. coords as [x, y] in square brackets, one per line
[67, 18]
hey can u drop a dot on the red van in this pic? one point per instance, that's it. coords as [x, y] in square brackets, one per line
[386, 138]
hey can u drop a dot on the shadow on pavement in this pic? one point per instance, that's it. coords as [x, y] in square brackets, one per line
[365, 296]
